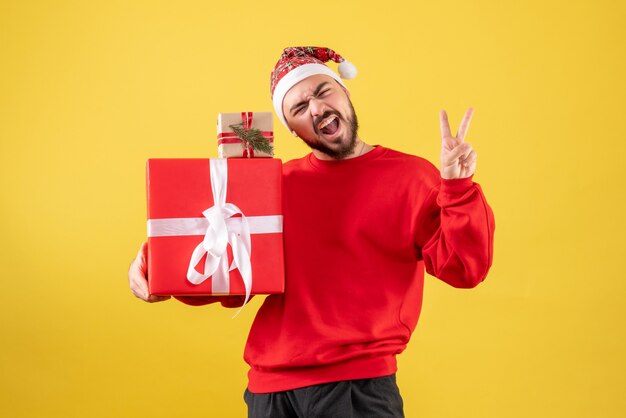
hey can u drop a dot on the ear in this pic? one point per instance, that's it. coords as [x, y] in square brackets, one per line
[346, 90]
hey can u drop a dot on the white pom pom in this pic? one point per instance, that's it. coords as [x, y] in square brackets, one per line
[347, 70]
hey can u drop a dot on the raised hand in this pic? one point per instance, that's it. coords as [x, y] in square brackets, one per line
[458, 159]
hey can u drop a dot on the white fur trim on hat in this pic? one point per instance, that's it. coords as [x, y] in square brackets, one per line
[292, 78]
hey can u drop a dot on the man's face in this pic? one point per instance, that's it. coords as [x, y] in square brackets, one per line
[319, 111]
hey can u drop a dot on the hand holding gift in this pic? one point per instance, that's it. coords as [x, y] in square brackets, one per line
[138, 280]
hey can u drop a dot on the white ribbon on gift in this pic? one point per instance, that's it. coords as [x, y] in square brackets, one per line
[220, 227]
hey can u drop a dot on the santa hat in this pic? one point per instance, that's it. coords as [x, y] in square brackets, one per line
[298, 63]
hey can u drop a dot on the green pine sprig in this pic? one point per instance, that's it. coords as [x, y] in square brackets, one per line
[253, 137]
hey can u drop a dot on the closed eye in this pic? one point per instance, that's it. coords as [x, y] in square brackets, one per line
[298, 108]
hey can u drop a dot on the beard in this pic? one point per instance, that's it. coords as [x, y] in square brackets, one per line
[347, 144]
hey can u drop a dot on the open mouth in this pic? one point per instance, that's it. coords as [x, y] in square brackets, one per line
[329, 126]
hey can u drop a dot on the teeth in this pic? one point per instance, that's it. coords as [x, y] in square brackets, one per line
[327, 121]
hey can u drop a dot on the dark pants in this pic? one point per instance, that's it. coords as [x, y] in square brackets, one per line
[377, 398]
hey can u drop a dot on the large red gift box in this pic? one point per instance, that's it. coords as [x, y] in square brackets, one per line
[217, 217]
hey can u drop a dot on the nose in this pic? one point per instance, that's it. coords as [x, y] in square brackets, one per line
[317, 107]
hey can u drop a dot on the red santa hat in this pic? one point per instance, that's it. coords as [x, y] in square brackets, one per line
[298, 63]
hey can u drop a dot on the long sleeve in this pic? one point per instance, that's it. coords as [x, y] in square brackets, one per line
[456, 236]
[226, 301]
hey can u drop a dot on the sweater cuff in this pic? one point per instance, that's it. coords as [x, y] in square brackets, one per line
[197, 300]
[227, 301]
[456, 186]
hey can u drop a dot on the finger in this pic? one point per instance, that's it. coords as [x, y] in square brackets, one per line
[444, 126]
[465, 124]
[142, 255]
[471, 159]
[459, 151]
[138, 280]
[138, 292]
[156, 298]
[143, 251]
[450, 143]
[139, 286]
[468, 171]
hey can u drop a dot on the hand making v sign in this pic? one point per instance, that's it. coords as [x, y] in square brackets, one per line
[458, 159]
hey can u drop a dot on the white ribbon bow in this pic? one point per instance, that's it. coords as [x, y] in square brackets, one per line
[224, 228]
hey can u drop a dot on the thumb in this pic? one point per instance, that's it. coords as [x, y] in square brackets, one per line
[459, 150]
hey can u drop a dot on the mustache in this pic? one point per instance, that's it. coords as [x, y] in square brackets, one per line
[326, 114]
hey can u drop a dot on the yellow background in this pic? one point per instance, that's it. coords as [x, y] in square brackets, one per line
[90, 90]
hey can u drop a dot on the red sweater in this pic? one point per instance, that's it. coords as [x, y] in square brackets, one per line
[358, 234]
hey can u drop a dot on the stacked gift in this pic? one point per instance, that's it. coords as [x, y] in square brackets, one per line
[245, 134]
[215, 226]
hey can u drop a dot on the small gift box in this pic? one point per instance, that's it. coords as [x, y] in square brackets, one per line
[245, 134]
[215, 227]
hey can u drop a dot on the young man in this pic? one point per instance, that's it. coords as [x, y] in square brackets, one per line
[361, 223]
